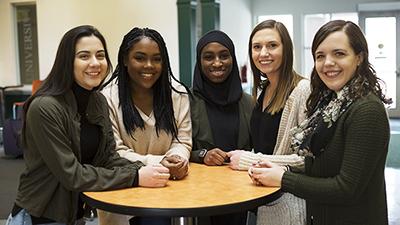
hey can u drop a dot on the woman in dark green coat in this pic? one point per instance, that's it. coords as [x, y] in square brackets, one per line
[345, 137]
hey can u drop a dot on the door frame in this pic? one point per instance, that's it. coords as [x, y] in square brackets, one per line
[362, 15]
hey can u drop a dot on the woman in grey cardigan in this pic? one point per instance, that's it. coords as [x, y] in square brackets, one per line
[345, 137]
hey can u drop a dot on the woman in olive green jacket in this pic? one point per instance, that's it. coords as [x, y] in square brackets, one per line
[68, 140]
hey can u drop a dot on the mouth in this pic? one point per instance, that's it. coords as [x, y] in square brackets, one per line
[147, 75]
[332, 74]
[217, 73]
[265, 62]
[93, 73]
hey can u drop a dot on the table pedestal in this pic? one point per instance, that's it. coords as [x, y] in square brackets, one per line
[182, 221]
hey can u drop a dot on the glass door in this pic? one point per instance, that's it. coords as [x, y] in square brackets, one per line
[382, 30]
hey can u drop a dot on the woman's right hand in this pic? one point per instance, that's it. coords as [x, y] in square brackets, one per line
[215, 157]
[153, 176]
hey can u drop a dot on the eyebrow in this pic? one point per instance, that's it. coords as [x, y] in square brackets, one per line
[86, 51]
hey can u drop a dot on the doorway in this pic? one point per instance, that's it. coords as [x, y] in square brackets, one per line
[382, 31]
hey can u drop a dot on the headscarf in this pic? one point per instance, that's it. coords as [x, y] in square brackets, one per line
[221, 94]
[221, 98]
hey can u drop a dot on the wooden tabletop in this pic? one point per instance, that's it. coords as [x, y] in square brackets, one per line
[207, 190]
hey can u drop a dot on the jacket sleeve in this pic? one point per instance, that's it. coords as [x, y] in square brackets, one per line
[47, 123]
[366, 135]
[247, 159]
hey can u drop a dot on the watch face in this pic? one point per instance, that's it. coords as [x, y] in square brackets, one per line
[202, 153]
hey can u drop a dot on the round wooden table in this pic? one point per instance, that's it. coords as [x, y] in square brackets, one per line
[206, 191]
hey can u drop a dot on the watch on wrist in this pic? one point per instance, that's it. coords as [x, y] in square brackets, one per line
[202, 154]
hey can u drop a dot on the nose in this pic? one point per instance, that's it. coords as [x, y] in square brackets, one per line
[264, 51]
[329, 61]
[94, 61]
[148, 64]
[217, 62]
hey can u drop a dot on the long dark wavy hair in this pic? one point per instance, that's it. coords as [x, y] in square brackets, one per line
[288, 78]
[61, 76]
[162, 88]
[365, 79]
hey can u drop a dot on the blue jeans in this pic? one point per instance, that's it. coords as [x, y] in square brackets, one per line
[23, 218]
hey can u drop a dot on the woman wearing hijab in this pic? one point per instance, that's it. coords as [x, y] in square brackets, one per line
[220, 109]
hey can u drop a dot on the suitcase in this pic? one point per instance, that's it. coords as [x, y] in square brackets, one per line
[12, 133]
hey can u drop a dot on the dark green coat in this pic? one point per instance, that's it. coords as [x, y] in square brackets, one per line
[50, 185]
[346, 184]
[201, 130]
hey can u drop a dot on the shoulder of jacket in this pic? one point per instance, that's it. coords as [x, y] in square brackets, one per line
[247, 99]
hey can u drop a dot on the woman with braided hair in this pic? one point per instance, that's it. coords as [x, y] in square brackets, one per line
[149, 113]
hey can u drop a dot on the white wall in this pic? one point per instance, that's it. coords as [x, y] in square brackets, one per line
[113, 18]
[236, 21]
[298, 8]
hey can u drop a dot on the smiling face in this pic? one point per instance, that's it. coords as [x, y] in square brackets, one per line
[335, 61]
[216, 62]
[267, 51]
[144, 64]
[90, 64]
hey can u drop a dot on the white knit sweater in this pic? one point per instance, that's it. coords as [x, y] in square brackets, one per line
[293, 113]
[145, 145]
[288, 209]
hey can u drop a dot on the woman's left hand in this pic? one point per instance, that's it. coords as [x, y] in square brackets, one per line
[267, 174]
[178, 166]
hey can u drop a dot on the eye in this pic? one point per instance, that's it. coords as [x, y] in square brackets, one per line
[138, 58]
[225, 56]
[319, 57]
[101, 56]
[256, 47]
[157, 59]
[339, 54]
[208, 57]
[272, 46]
[83, 56]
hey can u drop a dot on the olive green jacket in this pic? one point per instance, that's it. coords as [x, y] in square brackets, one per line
[201, 130]
[50, 185]
[346, 184]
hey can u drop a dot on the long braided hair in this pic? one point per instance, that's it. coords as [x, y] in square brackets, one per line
[162, 88]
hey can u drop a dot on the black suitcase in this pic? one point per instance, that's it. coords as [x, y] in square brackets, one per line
[12, 134]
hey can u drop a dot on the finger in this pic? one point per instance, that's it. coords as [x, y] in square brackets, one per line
[218, 158]
[163, 176]
[257, 170]
[161, 169]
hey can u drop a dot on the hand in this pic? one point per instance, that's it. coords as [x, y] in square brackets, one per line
[178, 166]
[235, 158]
[215, 157]
[153, 176]
[267, 174]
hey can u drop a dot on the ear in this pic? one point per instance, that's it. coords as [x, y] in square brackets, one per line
[360, 58]
[125, 61]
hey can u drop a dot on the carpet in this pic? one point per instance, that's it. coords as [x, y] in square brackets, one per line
[393, 157]
[10, 170]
